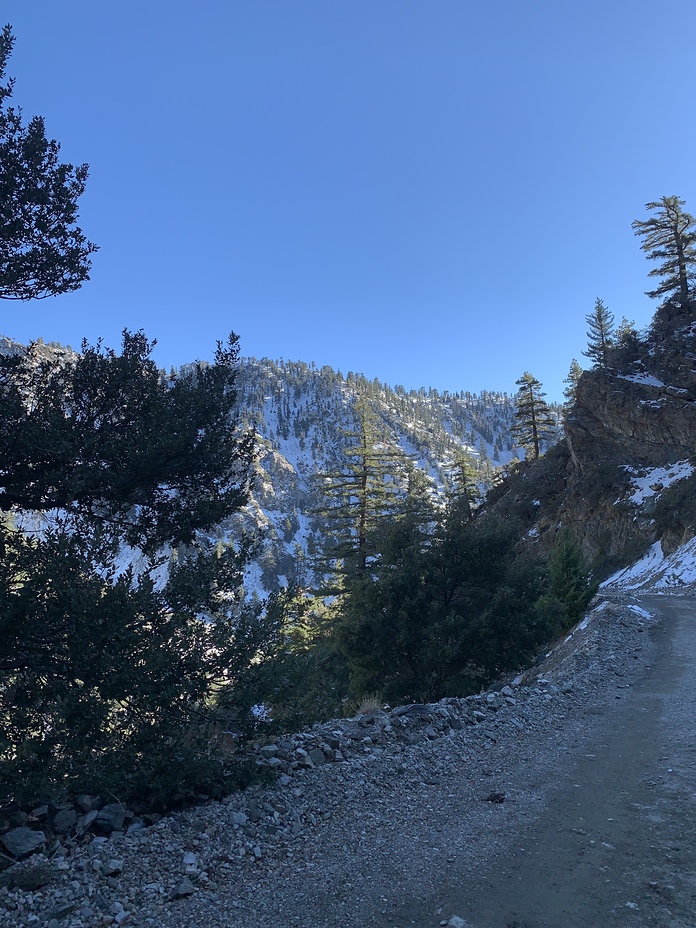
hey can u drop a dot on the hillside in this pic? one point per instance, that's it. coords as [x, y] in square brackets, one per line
[304, 416]
[623, 480]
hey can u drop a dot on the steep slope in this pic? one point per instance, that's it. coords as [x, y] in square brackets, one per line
[304, 417]
[622, 478]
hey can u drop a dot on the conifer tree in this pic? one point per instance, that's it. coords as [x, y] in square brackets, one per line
[533, 420]
[42, 250]
[601, 334]
[669, 237]
[464, 489]
[574, 375]
[626, 331]
[361, 492]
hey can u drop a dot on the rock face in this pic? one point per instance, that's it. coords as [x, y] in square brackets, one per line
[630, 424]
[631, 418]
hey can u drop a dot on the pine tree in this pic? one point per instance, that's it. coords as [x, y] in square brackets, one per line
[570, 579]
[42, 251]
[601, 334]
[574, 375]
[670, 238]
[362, 492]
[533, 420]
[101, 438]
[381, 625]
[626, 331]
[107, 678]
[464, 488]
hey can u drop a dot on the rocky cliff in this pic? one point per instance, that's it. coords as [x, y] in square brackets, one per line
[622, 477]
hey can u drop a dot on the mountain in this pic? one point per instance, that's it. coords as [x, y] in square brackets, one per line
[303, 416]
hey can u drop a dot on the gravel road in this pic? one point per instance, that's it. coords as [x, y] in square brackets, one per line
[613, 840]
[570, 805]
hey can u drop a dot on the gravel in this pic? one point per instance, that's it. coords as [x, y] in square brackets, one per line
[349, 827]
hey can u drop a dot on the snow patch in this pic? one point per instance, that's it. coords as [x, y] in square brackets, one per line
[646, 379]
[653, 480]
[656, 573]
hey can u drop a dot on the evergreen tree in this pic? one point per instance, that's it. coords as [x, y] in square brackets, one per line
[382, 624]
[42, 251]
[601, 334]
[574, 375]
[571, 584]
[533, 420]
[670, 238]
[464, 484]
[627, 344]
[626, 332]
[362, 492]
[101, 438]
[107, 678]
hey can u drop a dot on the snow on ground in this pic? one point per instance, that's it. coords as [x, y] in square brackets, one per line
[655, 572]
[646, 379]
[652, 480]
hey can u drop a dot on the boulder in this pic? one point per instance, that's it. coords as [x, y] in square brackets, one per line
[20, 842]
[110, 818]
[30, 877]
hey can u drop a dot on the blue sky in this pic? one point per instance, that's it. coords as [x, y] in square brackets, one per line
[431, 193]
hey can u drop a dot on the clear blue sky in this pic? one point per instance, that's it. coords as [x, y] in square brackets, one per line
[431, 192]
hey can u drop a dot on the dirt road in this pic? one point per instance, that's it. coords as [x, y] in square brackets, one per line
[613, 842]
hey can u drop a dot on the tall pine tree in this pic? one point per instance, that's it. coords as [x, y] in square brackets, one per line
[533, 420]
[573, 378]
[361, 492]
[600, 338]
[669, 236]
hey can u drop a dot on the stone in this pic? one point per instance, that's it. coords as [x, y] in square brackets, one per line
[64, 820]
[456, 922]
[184, 888]
[110, 818]
[31, 877]
[84, 822]
[304, 758]
[40, 813]
[255, 813]
[87, 803]
[238, 818]
[61, 912]
[23, 841]
[268, 751]
[113, 867]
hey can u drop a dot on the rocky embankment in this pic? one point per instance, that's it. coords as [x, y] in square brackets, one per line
[640, 416]
[342, 788]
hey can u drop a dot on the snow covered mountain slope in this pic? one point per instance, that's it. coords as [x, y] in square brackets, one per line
[304, 416]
